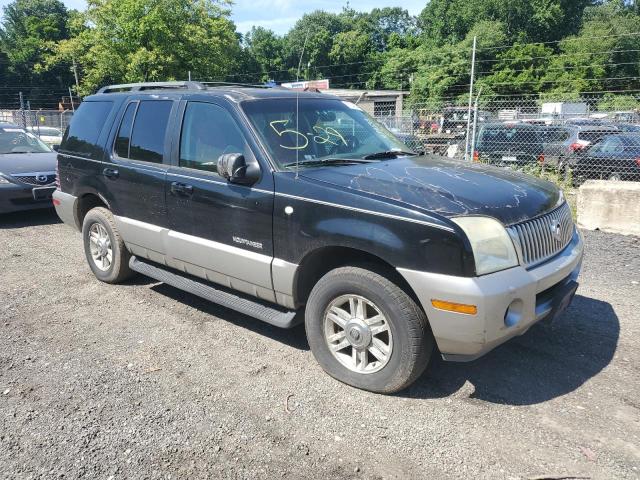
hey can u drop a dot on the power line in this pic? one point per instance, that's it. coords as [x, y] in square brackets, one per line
[568, 39]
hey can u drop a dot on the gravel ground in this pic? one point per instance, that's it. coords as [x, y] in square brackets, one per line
[143, 381]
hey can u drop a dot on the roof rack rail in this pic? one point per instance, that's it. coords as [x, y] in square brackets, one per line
[136, 87]
[234, 84]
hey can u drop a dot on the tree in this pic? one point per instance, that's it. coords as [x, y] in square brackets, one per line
[266, 51]
[315, 32]
[146, 40]
[521, 69]
[602, 56]
[525, 20]
[29, 32]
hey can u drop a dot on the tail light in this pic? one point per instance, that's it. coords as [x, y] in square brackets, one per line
[576, 146]
[541, 158]
[638, 161]
[476, 156]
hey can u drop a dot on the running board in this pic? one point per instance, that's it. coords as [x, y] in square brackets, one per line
[255, 308]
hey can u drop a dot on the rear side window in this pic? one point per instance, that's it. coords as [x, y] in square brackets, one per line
[149, 129]
[142, 131]
[84, 130]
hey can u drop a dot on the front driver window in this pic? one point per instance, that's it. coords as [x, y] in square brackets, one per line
[208, 131]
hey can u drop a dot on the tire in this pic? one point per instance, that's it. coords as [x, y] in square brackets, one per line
[408, 334]
[615, 177]
[100, 221]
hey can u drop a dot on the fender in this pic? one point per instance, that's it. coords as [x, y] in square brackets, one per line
[305, 221]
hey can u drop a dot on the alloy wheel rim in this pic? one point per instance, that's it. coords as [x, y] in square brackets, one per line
[358, 334]
[100, 247]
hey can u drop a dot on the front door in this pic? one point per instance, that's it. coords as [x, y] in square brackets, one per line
[218, 230]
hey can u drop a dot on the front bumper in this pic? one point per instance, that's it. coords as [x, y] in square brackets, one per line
[17, 197]
[508, 302]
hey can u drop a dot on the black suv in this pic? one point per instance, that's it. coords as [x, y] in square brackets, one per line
[286, 205]
[517, 144]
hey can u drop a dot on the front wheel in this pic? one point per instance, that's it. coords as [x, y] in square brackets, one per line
[366, 331]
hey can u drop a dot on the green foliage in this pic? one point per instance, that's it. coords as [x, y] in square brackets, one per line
[547, 49]
[147, 40]
[265, 54]
[29, 32]
[612, 102]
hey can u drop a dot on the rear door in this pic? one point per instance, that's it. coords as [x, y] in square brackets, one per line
[218, 230]
[140, 147]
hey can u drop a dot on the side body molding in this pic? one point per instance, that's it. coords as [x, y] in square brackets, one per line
[236, 268]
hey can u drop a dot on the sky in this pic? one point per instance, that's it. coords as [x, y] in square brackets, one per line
[280, 15]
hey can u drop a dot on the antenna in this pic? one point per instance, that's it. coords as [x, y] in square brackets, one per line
[304, 44]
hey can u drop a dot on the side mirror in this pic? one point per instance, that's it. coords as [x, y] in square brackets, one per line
[236, 169]
[55, 147]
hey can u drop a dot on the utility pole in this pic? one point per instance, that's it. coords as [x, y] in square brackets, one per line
[75, 74]
[473, 73]
[22, 114]
[475, 123]
[189, 75]
[71, 99]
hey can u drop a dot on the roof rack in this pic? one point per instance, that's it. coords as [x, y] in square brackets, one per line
[234, 84]
[136, 87]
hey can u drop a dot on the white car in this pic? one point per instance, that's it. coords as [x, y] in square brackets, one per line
[49, 135]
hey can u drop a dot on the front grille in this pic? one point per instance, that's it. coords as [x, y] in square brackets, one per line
[543, 237]
[33, 179]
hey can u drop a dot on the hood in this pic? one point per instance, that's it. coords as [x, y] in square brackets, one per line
[447, 187]
[17, 163]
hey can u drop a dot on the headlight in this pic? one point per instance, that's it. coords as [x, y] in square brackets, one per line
[492, 247]
[3, 180]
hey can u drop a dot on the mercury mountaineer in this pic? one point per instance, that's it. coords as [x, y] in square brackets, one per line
[295, 206]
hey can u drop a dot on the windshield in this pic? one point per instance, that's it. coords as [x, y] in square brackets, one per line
[16, 140]
[322, 129]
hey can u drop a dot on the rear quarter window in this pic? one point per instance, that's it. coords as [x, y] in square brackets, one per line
[82, 136]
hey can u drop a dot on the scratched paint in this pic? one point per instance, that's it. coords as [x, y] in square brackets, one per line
[448, 187]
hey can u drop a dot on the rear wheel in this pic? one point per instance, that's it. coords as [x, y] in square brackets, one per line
[366, 331]
[615, 176]
[106, 253]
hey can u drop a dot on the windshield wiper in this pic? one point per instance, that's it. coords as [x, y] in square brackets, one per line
[389, 154]
[329, 161]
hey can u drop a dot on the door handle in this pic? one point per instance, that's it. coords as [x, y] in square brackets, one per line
[181, 188]
[110, 173]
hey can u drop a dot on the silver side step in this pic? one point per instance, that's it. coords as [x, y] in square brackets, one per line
[247, 305]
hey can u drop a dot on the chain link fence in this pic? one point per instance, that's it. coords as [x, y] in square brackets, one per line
[568, 141]
[47, 123]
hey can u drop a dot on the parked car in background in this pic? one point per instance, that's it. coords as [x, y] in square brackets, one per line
[628, 127]
[561, 142]
[49, 135]
[503, 144]
[413, 142]
[454, 120]
[273, 202]
[587, 121]
[614, 157]
[27, 170]
[630, 116]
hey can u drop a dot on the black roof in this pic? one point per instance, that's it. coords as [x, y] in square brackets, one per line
[237, 92]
